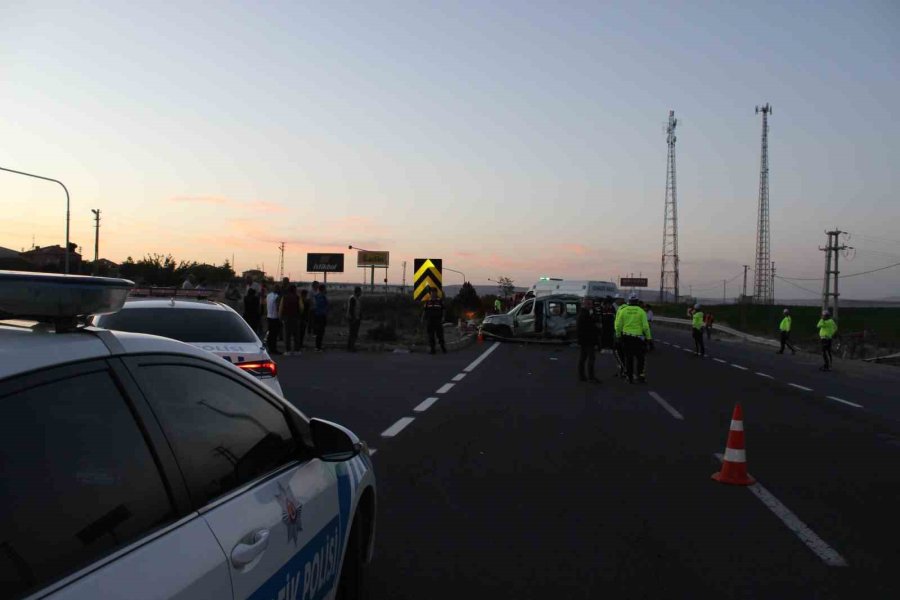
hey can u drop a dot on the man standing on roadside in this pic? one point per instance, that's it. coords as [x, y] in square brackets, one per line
[588, 336]
[354, 317]
[785, 329]
[305, 315]
[289, 310]
[697, 331]
[251, 310]
[320, 314]
[433, 315]
[827, 329]
[272, 321]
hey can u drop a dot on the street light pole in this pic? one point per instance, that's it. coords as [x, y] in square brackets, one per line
[372, 282]
[67, 203]
[446, 268]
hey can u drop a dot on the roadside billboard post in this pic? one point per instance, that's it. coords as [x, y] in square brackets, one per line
[325, 263]
[373, 259]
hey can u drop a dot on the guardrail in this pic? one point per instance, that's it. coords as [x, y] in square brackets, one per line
[723, 328]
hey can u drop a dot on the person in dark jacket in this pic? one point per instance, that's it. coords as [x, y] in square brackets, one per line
[320, 314]
[305, 316]
[251, 310]
[433, 317]
[289, 312]
[588, 337]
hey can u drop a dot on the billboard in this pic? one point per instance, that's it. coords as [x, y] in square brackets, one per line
[627, 282]
[324, 263]
[379, 258]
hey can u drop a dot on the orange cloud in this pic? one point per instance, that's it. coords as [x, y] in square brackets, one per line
[217, 200]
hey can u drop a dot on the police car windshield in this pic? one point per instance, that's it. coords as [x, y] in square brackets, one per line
[184, 324]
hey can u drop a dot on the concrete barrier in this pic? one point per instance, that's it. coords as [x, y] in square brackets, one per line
[686, 323]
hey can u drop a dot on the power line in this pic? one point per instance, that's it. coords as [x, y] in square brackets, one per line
[796, 285]
[873, 270]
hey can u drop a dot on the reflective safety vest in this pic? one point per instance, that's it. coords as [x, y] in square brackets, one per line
[698, 319]
[827, 328]
[632, 320]
[785, 324]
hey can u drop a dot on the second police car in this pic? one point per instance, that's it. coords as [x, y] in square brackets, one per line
[142, 467]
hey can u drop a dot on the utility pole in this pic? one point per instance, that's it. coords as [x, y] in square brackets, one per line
[724, 293]
[762, 286]
[96, 212]
[404, 277]
[668, 273]
[772, 287]
[832, 249]
[281, 262]
[744, 293]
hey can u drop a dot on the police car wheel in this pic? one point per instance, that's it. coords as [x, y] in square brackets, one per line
[354, 581]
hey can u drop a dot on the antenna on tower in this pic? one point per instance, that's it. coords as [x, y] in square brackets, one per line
[668, 275]
[763, 288]
[281, 262]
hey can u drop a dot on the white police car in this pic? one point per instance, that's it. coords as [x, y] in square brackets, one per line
[140, 467]
[210, 326]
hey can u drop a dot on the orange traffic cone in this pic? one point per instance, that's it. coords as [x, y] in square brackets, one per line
[734, 464]
[480, 337]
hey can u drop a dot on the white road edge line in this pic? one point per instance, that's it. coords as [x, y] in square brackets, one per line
[372, 451]
[720, 360]
[828, 554]
[764, 375]
[397, 427]
[676, 346]
[483, 356]
[445, 388]
[688, 350]
[847, 402]
[425, 404]
[739, 367]
[459, 377]
[800, 387]
[666, 406]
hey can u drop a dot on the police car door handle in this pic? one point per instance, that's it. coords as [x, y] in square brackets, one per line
[245, 553]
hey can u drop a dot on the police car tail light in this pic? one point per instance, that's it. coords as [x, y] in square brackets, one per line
[262, 368]
[60, 299]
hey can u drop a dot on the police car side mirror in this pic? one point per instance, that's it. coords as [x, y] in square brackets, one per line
[333, 443]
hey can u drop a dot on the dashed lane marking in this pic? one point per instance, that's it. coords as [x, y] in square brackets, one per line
[825, 552]
[842, 401]
[445, 388]
[764, 375]
[426, 404]
[372, 451]
[676, 346]
[739, 367]
[483, 356]
[720, 360]
[459, 377]
[671, 410]
[688, 350]
[800, 387]
[397, 427]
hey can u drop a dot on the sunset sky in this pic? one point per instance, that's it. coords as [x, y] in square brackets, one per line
[508, 138]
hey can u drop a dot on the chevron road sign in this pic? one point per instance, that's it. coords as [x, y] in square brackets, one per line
[428, 274]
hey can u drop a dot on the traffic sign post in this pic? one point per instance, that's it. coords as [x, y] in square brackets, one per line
[428, 273]
[374, 259]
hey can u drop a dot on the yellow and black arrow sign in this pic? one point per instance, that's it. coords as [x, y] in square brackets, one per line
[428, 274]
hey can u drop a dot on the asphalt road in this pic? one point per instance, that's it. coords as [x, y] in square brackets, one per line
[521, 482]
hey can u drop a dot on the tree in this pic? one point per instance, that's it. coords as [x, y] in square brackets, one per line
[507, 287]
[466, 300]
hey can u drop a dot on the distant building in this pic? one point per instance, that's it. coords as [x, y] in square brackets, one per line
[254, 274]
[10, 260]
[53, 258]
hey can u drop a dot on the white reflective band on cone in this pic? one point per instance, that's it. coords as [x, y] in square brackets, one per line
[737, 425]
[735, 456]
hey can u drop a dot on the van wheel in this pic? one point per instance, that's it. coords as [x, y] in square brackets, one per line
[354, 581]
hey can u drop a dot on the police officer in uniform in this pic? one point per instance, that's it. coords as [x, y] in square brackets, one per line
[433, 315]
[633, 330]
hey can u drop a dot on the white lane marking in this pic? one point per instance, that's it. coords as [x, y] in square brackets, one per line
[739, 367]
[445, 388]
[372, 451]
[847, 402]
[426, 404]
[720, 360]
[459, 377]
[397, 427]
[828, 554]
[676, 346]
[764, 375]
[666, 406]
[800, 387]
[688, 350]
[553, 358]
[483, 356]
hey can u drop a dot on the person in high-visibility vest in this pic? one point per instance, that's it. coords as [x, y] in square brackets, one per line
[697, 331]
[785, 328]
[633, 330]
[827, 328]
[498, 306]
